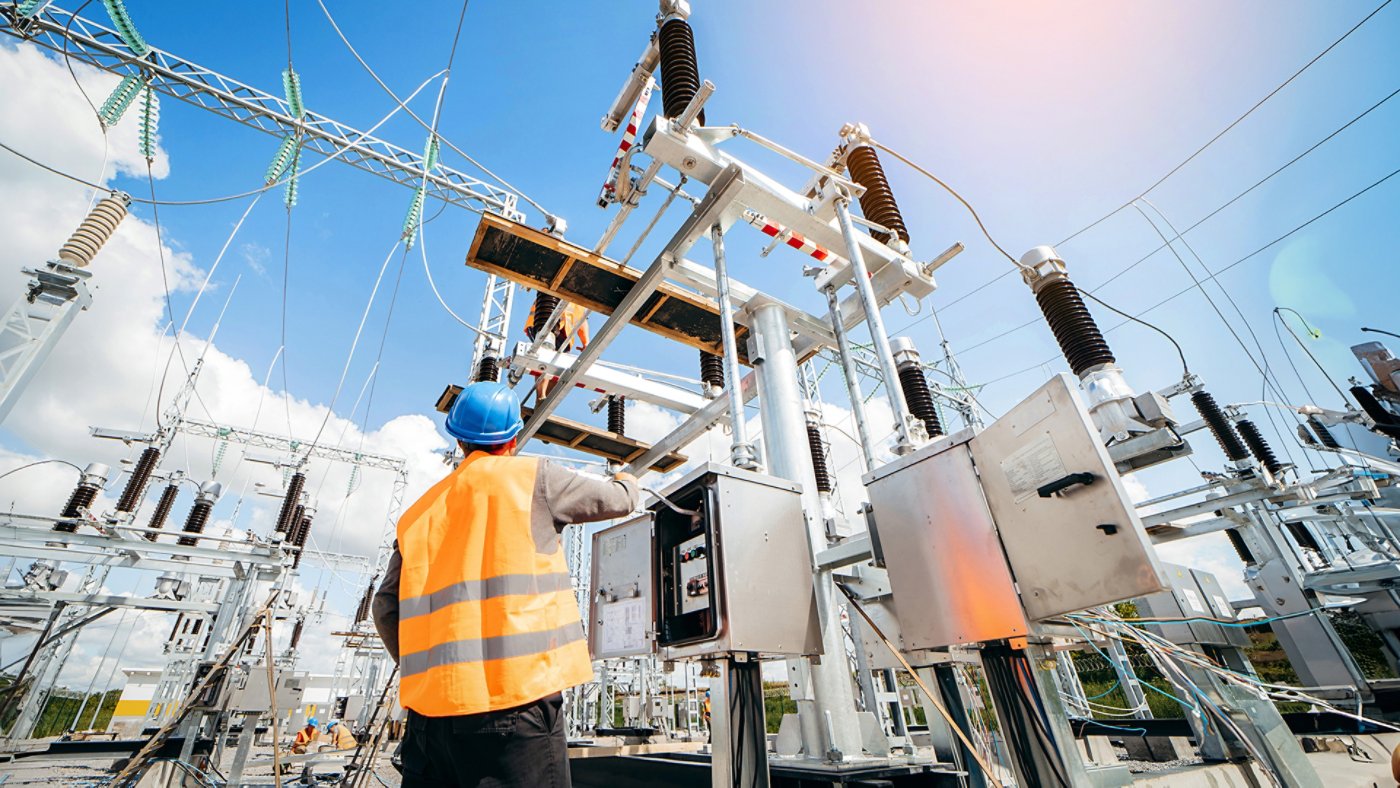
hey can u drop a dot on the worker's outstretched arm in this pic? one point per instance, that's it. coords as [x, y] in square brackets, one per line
[575, 498]
[385, 607]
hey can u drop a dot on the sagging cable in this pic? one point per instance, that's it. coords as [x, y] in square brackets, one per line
[116, 9]
[121, 99]
[933, 699]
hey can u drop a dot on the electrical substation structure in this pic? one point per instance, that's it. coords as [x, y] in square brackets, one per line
[933, 616]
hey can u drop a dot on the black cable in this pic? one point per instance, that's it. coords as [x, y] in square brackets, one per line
[1380, 331]
[1278, 313]
[1268, 381]
[286, 279]
[1197, 223]
[39, 462]
[169, 308]
[1213, 275]
[68, 61]
[1185, 371]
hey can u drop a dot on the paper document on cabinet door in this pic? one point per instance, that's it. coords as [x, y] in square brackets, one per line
[624, 625]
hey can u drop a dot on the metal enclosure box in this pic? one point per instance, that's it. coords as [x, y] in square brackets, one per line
[738, 577]
[1194, 594]
[945, 563]
[621, 618]
[1071, 544]
[761, 565]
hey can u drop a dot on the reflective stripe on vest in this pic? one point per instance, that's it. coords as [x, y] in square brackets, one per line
[487, 620]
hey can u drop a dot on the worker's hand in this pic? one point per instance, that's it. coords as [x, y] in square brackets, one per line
[624, 476]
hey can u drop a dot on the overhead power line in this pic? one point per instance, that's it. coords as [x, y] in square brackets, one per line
[1233, 123]
[1211, 276]
[1198, 151]
[1207, 217]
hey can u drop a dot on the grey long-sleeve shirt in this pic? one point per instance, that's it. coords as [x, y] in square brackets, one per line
[562, 497]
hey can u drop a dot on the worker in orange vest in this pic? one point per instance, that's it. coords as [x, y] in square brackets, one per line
[477, 608]
[306, 737]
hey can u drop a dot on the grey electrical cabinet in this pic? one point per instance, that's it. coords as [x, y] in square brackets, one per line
[1070, 531]
[726, 568]
[1195, 597]
[946, 567]
[983, 532]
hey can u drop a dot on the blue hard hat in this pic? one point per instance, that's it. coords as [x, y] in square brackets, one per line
[485, 413]
[313, 722]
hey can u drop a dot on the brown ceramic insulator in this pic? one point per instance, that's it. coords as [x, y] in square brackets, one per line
[136, 483]
[1074, 328]
[1219, 426]
[878, 202]
[680, 72]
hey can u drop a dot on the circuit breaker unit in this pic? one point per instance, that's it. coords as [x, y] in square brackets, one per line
[726, 568]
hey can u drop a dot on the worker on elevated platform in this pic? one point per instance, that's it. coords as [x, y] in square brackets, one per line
[477, 608]
[570, 332]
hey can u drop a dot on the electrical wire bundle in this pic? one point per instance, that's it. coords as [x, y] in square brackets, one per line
[1174, 660]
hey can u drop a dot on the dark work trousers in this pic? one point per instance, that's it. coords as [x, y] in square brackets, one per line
[523, 747]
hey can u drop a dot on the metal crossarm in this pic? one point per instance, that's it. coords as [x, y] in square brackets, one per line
[91, 43]
[264, 440]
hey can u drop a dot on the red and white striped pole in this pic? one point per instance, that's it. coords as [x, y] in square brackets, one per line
[629, 138]
[783, 235]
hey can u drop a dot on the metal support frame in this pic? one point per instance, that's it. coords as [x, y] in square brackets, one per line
[910, 433]
[34, 323]
[788, 456]
[496, 301]
[706, 214]
[88, 42]
[741, 452]
[848, 371]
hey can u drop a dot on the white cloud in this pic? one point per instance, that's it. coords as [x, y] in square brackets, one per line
[106, 369]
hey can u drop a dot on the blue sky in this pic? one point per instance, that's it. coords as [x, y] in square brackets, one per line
[1044, 121]
[1045, 118]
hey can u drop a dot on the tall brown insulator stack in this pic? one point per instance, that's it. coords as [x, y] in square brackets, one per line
[136, 484]
[286, 517]
[680, 71]
[89, 485]
[877, 203]
[164, 504]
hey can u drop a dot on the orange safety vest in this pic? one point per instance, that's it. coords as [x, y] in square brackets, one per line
[486, 620]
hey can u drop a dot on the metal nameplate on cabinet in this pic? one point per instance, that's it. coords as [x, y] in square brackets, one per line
[944, 560]
[620, 608]
[1069, 530]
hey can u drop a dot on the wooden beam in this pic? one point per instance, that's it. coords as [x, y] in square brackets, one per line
[545, 263]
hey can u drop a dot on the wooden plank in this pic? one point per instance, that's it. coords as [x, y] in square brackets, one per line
[542, 262]
[588, 439]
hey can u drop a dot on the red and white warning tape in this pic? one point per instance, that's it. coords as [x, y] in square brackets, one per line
[629, 138]
[784, 235]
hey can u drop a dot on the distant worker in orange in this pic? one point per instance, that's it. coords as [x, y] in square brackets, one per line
[477, 608]
[570, 333]
[340, 736]
[306, 737]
